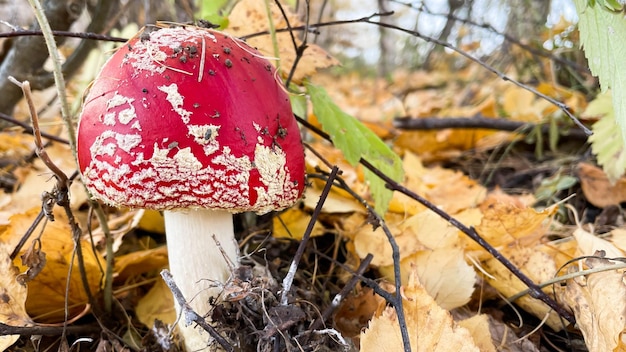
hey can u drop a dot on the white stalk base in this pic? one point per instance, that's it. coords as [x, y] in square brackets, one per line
[198, 266]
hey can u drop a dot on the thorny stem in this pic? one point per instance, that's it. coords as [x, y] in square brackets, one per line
[60, 85]
[288, 280]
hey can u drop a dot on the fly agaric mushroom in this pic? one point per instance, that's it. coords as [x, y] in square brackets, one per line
[193, 122]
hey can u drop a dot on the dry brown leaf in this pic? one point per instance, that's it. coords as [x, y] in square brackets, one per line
[151, 221]
[48, 288]
[12, 304]
[158, 303]
[618, 238]
[599, 304]
[355, 311]
[292, 224]
[430, 327]
[598, 189]
[250, 16]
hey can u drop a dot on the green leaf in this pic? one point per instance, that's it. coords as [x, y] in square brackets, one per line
[210, 10]
[357, 141]
[602, 34]
[607, 142]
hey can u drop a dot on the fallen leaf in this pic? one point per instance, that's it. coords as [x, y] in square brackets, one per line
[599, 304]
[588, 244]
[158, 303]
[250, 16]
[366, 240]
[504, 224]
[478, 326]
[13, 293]
[334, 202]
[597, 187]
[355, 311]
[535, 264]
[447, 189]
[139, 263]
[293, 223]
[48, 289]
[443, 272]
[430, 327]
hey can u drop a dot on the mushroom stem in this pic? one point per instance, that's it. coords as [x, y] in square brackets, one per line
[196, 262]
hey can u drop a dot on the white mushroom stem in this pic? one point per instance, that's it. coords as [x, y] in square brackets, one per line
[197, 264]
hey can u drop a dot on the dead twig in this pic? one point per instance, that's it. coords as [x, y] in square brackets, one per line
[499, 124]
[288, 280]
[534, 290]
[190, 315]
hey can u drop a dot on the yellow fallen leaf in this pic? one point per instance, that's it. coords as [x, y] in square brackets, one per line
[158, 303]
[376, 242]
[599, 304]
[435, 232]
[292, 224]
[534, 263]
[478, 326]
[151, 221]
[46, 300]
[250, 16]
[334, 202]
[505, 224]
[443, 272]
[139, 263]
[450, 190]
[430, 327]
[12, 304]
[37, 178]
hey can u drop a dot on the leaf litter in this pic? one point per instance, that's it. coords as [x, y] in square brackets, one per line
[442, 273]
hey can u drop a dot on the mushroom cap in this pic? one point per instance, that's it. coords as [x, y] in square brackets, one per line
[187, 117]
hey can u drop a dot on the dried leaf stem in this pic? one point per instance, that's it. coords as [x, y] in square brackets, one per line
[65, 112]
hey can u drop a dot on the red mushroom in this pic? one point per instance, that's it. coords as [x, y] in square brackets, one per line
[196, 123]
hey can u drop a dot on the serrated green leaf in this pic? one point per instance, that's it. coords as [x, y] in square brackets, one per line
[357, 141]
[607, 142]
[602, 34]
